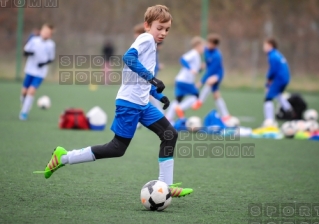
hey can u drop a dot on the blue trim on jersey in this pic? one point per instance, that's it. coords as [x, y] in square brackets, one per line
[184, 63]
[130, 58]
[125, 103]
[157, 65]
[164, 159]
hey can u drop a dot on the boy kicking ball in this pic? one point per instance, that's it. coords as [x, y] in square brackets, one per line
[40, 51]
[132, 106]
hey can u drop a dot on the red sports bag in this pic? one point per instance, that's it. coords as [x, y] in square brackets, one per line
[73, 119]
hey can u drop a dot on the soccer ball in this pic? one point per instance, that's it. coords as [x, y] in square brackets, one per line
[44, 102]
[301, 125]
[232, 122]
[193, 123]
[289, 128]
[155, 195]
[270, 123]
[310, 114]
[312, 126]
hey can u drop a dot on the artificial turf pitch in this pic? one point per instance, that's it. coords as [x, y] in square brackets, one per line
[107, 191]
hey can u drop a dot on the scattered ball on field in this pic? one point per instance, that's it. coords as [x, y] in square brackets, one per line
[289, 129]
[312, 126]
[44, 102]
[155, 195]
[301, 125]
[193, 123]
[310, 114]
[232, 122]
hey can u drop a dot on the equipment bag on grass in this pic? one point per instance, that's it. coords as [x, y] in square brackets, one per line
[73, 119]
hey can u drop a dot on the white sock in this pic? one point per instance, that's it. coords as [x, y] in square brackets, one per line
[22, 97]
[78, 156]
[284, 103]
[269, 110]
[166, 170]
[170, 114]
[187, 103]
[27, 104]
[156, 103]
[204, 93]
[221, 106]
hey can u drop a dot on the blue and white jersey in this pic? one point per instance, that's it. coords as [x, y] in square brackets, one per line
[190, 61]
[44, 50]
[140, 61]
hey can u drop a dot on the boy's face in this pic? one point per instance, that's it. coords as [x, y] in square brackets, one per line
[267, 47]
[158, 30]
[46, 32]
[211, 45]
[201, 48]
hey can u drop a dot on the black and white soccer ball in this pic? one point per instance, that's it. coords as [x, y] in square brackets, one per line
[155, 195]
[193, 123]
[289, 129]
[312, 125]
[310, 114]
[44, 102]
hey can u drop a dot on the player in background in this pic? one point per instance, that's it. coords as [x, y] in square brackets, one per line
[277, 80]
[138, 30]
[212, 77]
[132, 106]
[40, 51]
[185, 80]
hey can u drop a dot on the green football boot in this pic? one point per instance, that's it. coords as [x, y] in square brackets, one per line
[55, 162]
[178, 191]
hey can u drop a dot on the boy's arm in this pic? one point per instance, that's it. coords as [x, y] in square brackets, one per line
[51, 57]
[28, 49]
[272, 69]
[155, 94]
[184, 63]
[130, 58]
[160, 97]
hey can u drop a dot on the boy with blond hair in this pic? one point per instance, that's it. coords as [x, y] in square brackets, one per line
[132, 106]
[138, 30]
[185, 80]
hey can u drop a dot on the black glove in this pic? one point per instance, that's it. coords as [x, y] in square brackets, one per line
[41, 64]
[44, 63]
[166, 102]
[158, 83]
[28, 53]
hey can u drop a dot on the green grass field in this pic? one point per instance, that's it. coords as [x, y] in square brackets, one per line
[107, 191]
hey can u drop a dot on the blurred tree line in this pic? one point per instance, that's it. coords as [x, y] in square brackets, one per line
[83, 26]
